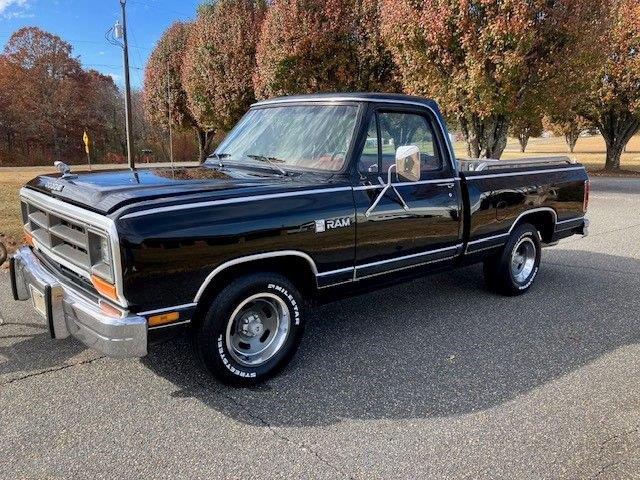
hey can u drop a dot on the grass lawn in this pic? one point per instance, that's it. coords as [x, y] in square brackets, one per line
[589, 151]
[10, 222]
[11, 179]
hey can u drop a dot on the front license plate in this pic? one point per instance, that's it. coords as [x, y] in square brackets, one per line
[39, 302]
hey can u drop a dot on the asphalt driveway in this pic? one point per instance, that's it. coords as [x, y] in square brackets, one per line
[433, 379]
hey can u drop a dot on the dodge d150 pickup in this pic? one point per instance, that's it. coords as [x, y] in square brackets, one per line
[307, 199]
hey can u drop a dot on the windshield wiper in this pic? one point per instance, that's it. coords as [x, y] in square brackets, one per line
[219, 157]
[271, 161]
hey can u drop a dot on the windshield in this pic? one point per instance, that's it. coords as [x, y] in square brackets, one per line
[297, 136]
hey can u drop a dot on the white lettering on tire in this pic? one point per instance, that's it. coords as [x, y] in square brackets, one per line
[227, 363]
[294, 304]
[223, 353]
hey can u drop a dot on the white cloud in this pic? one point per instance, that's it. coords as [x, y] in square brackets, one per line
[18, 11]
[116, 78]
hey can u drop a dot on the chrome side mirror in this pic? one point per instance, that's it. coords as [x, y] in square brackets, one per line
[408, 166]
[408, 162]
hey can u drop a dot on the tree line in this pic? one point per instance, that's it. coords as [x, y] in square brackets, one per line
[47, 102]
[494, 67]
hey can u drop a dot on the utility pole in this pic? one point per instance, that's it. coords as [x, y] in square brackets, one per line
[121, 32]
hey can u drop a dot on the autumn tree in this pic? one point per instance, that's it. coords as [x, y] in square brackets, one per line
[483, 59]
[44, 66]
[165, 100]
[107, 104]
[9, 117]
[524, 127]
[50, 107]
[311, 46]
[47, 100]
[612, 102]
[376, 70]
[567, 124]
[219, 64]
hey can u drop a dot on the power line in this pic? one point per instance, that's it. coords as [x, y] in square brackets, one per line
[146, 48]
[104, 65]
[140, 79]
[162, 9]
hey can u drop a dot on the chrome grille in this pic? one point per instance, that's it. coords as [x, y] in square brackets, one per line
[61, 237]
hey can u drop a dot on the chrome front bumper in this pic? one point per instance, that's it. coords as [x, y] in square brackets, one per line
[68, 312]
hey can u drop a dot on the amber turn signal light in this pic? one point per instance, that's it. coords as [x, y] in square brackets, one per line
[105, 288]
[28, 239]
[163, 319]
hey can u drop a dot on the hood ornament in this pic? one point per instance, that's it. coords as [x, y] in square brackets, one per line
[64, 169]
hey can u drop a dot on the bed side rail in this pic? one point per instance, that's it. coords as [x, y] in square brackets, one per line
[484, 164]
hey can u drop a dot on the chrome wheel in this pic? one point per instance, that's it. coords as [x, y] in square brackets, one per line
[523, 259]
[257, 329]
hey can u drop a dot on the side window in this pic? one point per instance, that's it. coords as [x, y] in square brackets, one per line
[369, 159]
[402, 129]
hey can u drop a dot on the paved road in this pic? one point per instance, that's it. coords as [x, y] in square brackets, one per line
[436, 378]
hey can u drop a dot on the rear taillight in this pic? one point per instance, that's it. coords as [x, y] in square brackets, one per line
[585, 202]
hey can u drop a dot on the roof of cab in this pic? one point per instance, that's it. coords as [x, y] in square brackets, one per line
[352, 97]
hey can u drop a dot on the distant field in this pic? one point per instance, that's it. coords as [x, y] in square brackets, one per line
[590, 151]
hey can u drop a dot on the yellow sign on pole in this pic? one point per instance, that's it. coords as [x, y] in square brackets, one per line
[87, 141]
[87, 145]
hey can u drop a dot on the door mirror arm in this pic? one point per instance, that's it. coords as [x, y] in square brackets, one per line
[389, 185]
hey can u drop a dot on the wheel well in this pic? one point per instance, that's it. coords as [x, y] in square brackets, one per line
[297, 269]
[543, 220]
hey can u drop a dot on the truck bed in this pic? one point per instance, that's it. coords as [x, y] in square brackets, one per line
[496, 193]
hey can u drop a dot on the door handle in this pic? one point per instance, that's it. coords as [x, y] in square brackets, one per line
[448, 185]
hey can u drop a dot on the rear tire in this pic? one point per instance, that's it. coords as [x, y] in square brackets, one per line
[251, 330]
[513, 270]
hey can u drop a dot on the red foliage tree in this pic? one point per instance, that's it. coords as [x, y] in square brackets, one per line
[612, 101]
[219, 65]
[10, 119]
[482, 60]
[524, 127]
[164, 95]
[51, 86]
[322, 45]
[47, 100]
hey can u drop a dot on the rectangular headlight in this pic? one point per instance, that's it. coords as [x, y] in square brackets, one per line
[101, 258]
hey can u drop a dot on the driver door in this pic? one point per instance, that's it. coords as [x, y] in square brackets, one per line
[415, 222]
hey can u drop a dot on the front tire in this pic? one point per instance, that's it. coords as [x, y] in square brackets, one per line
[251, 330]
[513, 270]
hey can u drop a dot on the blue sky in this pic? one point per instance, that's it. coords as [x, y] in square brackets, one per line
[83, 23]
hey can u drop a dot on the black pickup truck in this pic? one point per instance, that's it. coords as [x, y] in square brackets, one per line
[308, 199]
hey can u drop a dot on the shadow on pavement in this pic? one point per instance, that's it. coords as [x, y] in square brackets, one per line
[23, 352]
[438, 346]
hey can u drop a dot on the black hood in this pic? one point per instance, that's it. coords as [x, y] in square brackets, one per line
[106, 191]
